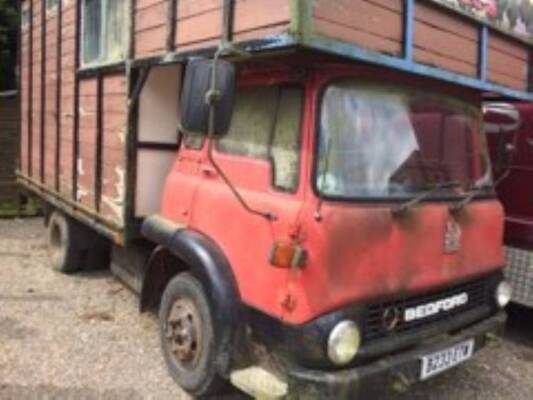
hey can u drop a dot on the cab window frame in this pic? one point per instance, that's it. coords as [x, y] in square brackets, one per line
[269, 142]
[488, 194]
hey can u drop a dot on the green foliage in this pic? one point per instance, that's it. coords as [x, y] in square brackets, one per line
[9, 22]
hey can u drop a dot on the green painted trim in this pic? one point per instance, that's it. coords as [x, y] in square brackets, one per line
[301, 25]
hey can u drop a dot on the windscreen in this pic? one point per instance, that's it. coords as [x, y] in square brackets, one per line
[376, 141]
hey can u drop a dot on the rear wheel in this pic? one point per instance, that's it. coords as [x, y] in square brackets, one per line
[65, 253]
[73, 247]
[187, 336]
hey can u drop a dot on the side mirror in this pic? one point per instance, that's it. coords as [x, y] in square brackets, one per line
[196, 90]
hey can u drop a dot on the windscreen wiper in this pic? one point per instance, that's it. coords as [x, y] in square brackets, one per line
[468, 199]
[405, 207]
[476, 191]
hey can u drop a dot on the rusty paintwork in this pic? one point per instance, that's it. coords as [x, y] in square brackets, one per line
[357, 251]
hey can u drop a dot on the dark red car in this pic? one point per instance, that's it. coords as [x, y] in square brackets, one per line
[510, 132]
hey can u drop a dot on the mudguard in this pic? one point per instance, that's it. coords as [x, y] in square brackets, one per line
[204, 259]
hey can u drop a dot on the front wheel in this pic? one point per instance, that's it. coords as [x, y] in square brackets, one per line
[187, 336]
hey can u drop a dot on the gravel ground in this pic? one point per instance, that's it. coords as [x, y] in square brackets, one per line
[81, 337]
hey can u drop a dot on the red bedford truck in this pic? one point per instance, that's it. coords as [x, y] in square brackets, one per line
[510, 130]
[309, 206]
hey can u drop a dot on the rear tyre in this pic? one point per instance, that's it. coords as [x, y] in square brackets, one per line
[66, 254]
[187, 336]
[74, 247]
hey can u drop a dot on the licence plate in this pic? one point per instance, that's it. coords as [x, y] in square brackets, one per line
[434, 364]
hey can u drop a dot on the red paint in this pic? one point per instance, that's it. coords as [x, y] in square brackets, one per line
[356, 253]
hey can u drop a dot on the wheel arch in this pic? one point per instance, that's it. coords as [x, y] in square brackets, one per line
[181, 249]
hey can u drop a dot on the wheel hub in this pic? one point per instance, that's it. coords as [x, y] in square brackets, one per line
[183, 331]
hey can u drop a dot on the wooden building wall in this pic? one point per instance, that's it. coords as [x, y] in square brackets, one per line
[9, 147]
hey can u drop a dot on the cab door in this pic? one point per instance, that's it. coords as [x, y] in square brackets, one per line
[261, 157]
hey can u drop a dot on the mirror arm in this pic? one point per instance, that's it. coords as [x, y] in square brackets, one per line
[212, 98]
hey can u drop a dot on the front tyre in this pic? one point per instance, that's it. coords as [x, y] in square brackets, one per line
[187, 336]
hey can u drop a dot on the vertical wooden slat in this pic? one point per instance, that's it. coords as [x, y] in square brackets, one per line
[19, 87]
[30, 91]
[530, 71]
[76, 125]
[59, 73]
[99, 138]
[409, 23]
[136, 80]
[483, 52]
[171, 25]
[131, 43]
[131, 151]
[228, 19]
[42, 155]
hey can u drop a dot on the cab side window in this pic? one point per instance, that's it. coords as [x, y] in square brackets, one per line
[266, 125]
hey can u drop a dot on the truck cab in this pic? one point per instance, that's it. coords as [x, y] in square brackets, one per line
[355, 231]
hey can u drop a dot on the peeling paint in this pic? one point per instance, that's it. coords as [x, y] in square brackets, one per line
[80, 190]
[117, 204]
[81, 171]
[122, 135]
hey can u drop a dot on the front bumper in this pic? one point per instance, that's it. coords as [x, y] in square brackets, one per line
[387, 374]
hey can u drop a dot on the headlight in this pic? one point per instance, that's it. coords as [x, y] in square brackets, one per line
[504, 293]
[344, 342]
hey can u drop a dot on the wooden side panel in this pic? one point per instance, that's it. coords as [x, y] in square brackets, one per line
[199, 23]
[375, 25]
[257, 19]
[68, 60]
[441, 38]
[85, 192]
[445, 41]
[69, 140]
[150, 27]
[114, 126]
[36, 91]
[507, 62]
[50, 96]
